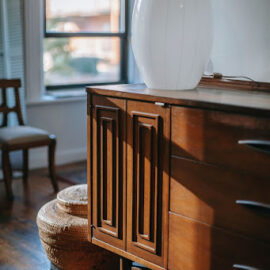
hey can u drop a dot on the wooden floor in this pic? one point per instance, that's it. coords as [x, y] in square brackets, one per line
[20, 247]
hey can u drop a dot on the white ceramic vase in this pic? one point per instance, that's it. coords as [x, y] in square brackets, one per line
[172, 41]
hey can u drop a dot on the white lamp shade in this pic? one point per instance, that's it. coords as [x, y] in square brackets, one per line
[172, 41]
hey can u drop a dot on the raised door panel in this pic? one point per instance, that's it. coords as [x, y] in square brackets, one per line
[108, 170]
[147, 180]
[145, 149]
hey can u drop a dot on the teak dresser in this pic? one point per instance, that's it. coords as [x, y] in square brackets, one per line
[180, 180]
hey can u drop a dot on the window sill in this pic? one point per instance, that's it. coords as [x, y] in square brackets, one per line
[55, 97]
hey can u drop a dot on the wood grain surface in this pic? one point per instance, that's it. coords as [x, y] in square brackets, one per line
[20, 247]
[253, 103]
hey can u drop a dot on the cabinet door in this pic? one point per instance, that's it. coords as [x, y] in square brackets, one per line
[107, 155]
[147, 180]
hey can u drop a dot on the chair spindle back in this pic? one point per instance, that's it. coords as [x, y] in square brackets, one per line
[15, 84]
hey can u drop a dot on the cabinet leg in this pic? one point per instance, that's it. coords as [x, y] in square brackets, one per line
[125, 264]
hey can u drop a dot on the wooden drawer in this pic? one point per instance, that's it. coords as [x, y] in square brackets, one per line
[197, 246]
[220, 197]
[215, 137]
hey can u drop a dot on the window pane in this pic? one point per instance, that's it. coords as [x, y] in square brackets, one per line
[81, 60]
[84, 16]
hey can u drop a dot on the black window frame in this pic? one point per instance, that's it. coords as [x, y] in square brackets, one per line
[123, 36]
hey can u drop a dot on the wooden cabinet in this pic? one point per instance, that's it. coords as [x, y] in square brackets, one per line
[179, 182]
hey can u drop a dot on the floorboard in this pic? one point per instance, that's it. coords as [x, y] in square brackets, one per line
[20, 247]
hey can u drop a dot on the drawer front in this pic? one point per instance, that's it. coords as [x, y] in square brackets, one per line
[234, 141]
[220, 197]
[194, 246]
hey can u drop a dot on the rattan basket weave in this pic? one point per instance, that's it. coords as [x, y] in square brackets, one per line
[73, 200]
[64, 235]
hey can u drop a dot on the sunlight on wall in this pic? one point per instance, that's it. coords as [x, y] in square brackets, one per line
[242, 38]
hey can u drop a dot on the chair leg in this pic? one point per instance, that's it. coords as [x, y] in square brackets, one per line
[6, 167]
[25, 165]
[51, 157]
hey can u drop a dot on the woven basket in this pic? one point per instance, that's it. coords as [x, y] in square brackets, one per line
[64, 236]
[73, 200]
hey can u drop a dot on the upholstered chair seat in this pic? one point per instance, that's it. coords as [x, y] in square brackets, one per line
[12, 136]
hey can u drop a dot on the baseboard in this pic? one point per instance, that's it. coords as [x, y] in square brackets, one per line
[38, 159]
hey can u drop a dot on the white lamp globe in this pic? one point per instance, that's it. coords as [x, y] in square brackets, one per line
[171, 41]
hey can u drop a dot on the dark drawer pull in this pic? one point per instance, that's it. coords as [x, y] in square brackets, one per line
[260, 145]
[244, 267]
[260, 206]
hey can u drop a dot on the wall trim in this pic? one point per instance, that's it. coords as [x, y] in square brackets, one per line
[39, 159]
[56, 101]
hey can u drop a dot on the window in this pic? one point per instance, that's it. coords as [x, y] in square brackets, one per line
[85, 42]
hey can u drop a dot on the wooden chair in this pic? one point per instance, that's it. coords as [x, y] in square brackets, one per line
[21, 138]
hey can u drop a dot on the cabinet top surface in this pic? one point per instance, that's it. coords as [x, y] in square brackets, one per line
[216, 98]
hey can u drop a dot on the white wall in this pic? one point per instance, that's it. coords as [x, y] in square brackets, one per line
[242, 38]
[65, 119]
